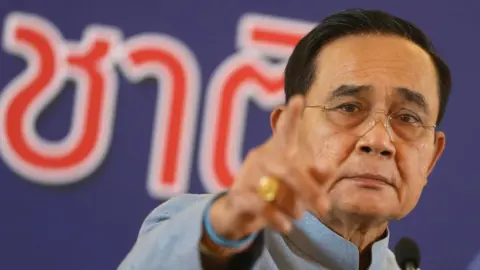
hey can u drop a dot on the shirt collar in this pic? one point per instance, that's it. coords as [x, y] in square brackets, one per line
[318, 243]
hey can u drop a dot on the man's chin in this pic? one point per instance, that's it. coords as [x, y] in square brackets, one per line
[355, 200]
[367, 209]
[367, 213]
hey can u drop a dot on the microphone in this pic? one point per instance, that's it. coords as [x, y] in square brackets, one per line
[407, 254]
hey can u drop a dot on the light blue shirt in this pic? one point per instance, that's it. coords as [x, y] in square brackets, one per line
[475, 265]
[169, 238]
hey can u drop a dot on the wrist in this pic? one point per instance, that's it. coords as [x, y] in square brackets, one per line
[221, 221]
[221, 234]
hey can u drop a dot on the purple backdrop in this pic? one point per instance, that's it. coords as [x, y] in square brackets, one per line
[121, 99]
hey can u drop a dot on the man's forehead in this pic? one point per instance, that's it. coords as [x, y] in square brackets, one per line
[385, 63]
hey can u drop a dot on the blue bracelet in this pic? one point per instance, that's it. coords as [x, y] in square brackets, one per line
[220, 240]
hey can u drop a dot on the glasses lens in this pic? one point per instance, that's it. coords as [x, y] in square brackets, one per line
[407, 131]
[348, 121]
[359, 122]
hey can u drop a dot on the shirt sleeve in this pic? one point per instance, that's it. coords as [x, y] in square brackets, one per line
[170, 235]
[475, 264]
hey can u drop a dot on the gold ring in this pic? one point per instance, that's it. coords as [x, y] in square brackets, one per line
[268, 188]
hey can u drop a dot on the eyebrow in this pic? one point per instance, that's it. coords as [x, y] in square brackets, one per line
[409, 95]
[348, 90]
[413, 96]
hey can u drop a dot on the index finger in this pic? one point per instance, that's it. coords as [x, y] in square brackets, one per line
[289, 126]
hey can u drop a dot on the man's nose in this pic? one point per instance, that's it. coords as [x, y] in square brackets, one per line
[377, 140]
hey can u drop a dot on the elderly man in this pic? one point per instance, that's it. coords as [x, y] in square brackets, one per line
[350, 151]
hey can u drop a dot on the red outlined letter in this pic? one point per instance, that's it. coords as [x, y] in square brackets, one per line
[237, 80]
[176, 69]
[269, 35]
[242, 77]
[50, 63]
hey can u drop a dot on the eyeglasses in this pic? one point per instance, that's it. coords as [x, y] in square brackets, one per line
[403, 124]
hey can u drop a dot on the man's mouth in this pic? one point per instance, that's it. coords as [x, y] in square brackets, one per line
[369, 180]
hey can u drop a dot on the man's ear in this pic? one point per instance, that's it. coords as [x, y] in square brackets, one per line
[275, 117]
[439, 146]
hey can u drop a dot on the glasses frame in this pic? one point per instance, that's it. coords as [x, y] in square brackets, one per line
[388, 117]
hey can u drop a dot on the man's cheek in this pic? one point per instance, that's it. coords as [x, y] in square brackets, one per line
[334, 149]
[316, 142]
[417, 166]
[424, 156]
[423, 165]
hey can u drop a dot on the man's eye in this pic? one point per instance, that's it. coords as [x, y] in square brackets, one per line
[349, 108]
[407, 118]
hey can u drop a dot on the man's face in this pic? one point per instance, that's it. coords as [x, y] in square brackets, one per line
[369, 77]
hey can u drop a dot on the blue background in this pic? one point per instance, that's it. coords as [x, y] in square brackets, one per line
[93, 224]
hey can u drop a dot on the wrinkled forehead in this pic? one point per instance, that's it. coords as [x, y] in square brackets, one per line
[383, 67]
